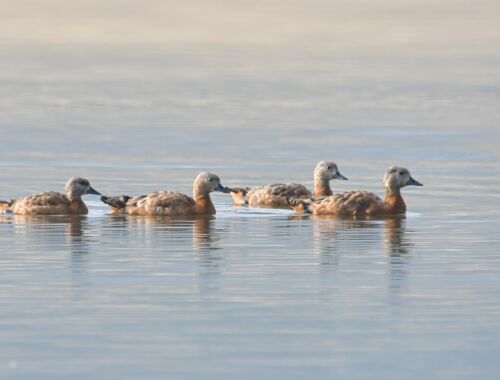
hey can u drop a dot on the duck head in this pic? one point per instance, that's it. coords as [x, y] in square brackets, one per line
[206, 183]
[326, 171]
[77, 186]
[397, 177]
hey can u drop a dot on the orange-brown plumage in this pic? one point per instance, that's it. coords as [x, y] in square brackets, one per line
[5, 206]
[276, 195]
[53, 203]
[362, 203]
[169, 203]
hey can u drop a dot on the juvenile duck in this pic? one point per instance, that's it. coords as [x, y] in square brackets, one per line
[276, 195]
[171, 203]
[362, 203]
[52, 203]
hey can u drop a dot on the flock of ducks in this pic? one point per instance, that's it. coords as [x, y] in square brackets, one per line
[322, 201]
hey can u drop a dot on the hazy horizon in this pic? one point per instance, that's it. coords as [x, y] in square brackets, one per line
[332, 25]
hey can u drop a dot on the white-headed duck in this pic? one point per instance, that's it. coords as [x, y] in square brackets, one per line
[171, 203]
[276, 195]
[362, 203]
[52, 203]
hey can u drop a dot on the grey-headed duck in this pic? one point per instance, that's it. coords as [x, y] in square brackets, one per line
[171, 203]
[53, 203]
[362, 203]
[276, 195]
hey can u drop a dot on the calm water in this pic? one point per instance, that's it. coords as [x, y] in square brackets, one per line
[255, 293]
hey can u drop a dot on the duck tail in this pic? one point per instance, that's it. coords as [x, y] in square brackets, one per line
[239, 195]
[5, 206]
[299, 205]
[118, 204]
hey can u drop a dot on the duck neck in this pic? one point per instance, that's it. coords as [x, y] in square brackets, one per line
[204, 205]
[322, 187]
[77, 206]
[395, 202]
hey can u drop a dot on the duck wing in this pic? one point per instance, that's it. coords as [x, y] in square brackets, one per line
[165, 203]
[355, 203]
[121, 202]
[50, 198]
[293, 190]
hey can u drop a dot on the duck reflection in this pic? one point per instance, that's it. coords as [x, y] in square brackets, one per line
[173, 232]
[78, 243]
[205, 248]
[396, 244]
[338, 240]
[203, 237]
[54, 233]
[334, 237]
[52, 229]
[397, 248]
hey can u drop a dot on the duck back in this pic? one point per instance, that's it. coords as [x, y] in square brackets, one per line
[276, 195]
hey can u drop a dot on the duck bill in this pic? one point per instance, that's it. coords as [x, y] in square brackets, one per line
[222, 189]
[339, 176]
[413, 182]
[93, 191]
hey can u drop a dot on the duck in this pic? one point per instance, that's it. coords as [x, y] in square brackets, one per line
[362, 203]
[54, 203]
[169, 203]
[5, 206]
[275, 195]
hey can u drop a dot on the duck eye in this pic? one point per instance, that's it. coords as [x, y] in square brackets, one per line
[401, 173]
[210, 179]
[329, 167]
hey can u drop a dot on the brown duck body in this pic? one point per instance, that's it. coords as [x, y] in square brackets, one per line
[53, 203]
[170, 204]
[358, 203]
[362, 203]
[49, 203]
[275, 195]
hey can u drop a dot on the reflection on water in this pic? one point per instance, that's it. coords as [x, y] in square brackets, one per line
[331, 233]
[243, 283]
[395, 243]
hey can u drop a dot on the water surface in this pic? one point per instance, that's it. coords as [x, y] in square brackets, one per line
[254, 293]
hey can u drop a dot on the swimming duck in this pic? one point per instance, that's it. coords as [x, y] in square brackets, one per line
[275, 195]
[5, 206]
[362, 203]
[169, 203]
[52, 203]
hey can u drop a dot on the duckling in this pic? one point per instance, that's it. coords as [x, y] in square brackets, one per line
[275, 195]
[362, 203]
[169, 203]
[52, 203]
